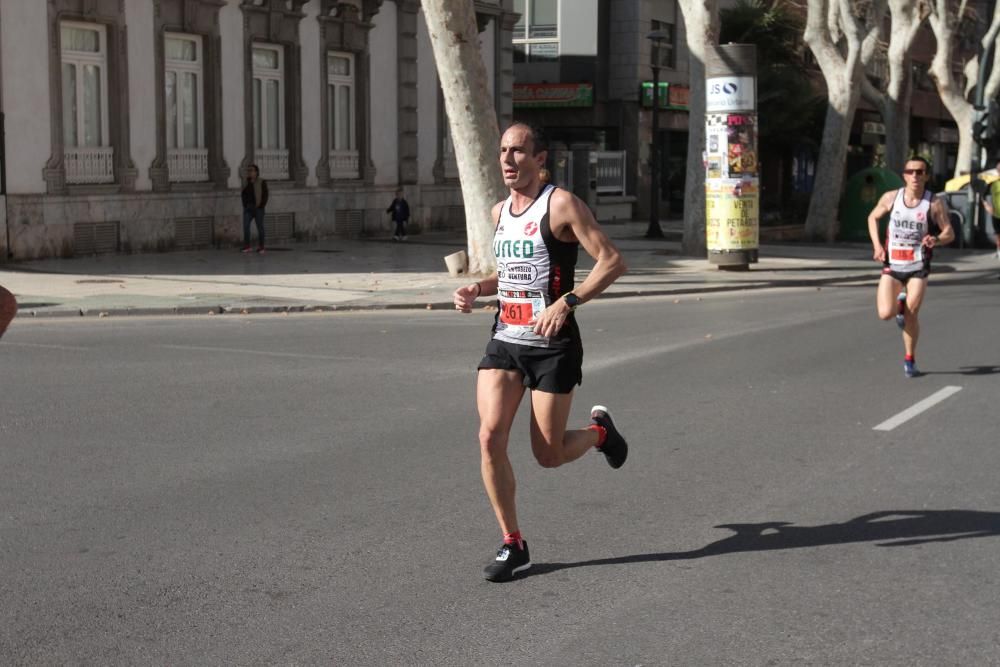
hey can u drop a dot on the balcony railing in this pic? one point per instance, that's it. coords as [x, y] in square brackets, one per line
[343, 165]
[91, 164]
[187, 164]
[273, 163]
[610, 172]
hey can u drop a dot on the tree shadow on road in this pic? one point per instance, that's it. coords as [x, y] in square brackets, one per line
[893, 528]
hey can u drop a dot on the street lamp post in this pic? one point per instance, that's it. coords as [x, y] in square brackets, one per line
[654, 231]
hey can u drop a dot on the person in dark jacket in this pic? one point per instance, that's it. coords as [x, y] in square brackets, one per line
[254, 198]
[400, 211]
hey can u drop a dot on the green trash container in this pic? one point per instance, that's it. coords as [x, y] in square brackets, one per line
[860, 196]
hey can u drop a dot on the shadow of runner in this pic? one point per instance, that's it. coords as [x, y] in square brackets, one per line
[967, 370]
[893, 528]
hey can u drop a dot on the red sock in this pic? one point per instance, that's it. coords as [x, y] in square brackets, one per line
[908, 357]
[514, 538]
[602, 433]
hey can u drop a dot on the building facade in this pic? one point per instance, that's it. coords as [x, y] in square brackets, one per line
[583, 71]
[129, 124]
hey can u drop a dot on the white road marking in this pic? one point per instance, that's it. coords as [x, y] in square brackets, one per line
[48, 347]
[914, 410]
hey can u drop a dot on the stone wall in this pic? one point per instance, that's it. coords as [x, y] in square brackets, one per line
[40, 226]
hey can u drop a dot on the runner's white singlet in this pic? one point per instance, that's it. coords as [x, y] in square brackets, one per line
[907, 228]
[533, 269]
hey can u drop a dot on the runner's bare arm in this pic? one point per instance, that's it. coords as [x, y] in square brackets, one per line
[464, 297]
[574, 220]
[940, 216]
[883, 206]
[571, 219]
[8, 309]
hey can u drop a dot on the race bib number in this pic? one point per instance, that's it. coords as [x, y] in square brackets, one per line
[901, 255]
[520, 308]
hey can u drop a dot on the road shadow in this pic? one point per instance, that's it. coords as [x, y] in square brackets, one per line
[892, 528]
[968, 370]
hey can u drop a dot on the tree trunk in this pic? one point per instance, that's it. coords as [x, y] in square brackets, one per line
[838, 40]
[944, 21]
[701, 18]
[822, 220]
[472, 119]
[906, 20]
[896, 116]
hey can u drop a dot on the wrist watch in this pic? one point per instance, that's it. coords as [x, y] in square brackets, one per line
[571, 300]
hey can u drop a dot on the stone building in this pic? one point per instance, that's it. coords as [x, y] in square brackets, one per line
[128, 124]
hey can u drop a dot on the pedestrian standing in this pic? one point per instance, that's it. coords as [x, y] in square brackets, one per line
[399, 209]
[535, 341]
[992, 205]
[254, 197]
[8, 309]
[918, 221]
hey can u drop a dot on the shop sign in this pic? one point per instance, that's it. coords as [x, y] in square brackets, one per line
[553, 95]
[679, 97]
[670, 96]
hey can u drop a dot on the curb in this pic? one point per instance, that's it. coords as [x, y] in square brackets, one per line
[228, 309]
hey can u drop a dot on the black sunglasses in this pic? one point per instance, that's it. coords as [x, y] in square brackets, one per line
[918, 172]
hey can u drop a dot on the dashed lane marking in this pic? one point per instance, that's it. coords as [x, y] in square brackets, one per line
[915, 409]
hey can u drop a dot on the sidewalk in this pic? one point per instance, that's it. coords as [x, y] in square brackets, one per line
[378, 274]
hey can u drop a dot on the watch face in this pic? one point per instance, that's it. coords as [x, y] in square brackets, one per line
[571, 299]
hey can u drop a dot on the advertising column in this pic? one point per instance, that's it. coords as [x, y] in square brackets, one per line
[732, 183]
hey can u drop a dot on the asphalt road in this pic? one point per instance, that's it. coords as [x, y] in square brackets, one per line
[304, 490]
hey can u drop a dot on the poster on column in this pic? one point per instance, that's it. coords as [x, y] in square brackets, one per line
[741, 145]
[716, 146]
[731, 213]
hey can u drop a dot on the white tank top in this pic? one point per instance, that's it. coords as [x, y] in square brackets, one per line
[907, 228]
[534, 268]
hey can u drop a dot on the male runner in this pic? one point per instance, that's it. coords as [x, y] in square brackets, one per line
[8, 308]
[535, 340]
[991, 202]
[906, 255]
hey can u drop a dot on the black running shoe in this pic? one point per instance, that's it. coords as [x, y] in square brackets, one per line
[615, 449]
[510, 560]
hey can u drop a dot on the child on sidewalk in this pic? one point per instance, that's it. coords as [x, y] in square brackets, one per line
[400, 211]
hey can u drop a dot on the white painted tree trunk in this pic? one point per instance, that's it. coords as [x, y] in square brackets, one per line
[472, 119]
[894, 102]
[701, 19]
[837, 38]
[945, 18]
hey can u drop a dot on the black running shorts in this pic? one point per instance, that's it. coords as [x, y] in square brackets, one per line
[904, 276]
[552, 370]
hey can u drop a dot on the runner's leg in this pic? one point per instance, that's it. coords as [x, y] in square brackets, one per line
[498, 393]
[885, 299]
[915, 290]
[551, 443]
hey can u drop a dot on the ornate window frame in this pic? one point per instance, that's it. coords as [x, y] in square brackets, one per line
[344, 27]
[276, 22]
[200, 18]
[111, 15]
